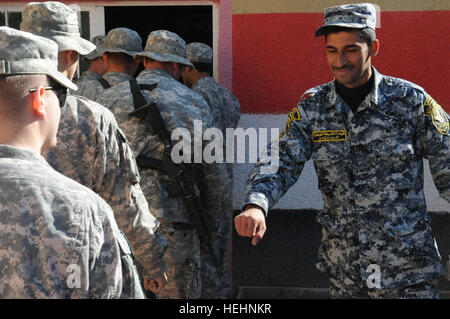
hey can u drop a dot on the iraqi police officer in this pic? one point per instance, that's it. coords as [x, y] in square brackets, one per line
[226, 111]
[93, 150]
[367, 134]
[97, 66]
[120, 46]
[164, 58]
[58, 239]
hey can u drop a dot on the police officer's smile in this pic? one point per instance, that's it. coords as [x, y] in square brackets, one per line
[348, 56]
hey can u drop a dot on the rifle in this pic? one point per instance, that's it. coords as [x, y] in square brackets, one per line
[181, 181]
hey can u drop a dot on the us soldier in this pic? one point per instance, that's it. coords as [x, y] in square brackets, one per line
[164, 59]
[120, 46]
[367, 134]
[48, 244]
[93, 150]
[226, 112]
[97, 66]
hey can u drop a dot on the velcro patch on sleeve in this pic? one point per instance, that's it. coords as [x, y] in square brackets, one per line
[294, 115]
[438, 116]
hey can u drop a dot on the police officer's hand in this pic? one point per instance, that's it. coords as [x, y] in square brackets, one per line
[251, 223]
[155, 285]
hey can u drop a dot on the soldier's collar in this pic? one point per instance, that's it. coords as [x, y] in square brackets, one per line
[116, 77]
[155, 71]
[9, 151]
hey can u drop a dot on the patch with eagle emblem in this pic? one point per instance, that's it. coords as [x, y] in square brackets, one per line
[438, 116]
[294, 115]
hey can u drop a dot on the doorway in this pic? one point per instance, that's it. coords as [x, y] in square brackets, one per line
[192, 23]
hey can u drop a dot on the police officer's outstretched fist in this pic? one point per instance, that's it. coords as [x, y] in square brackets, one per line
[251, 223]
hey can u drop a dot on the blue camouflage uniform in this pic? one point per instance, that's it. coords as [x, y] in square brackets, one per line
[370, 170]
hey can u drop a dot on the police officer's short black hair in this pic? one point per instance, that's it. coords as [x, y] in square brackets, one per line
[368, 34]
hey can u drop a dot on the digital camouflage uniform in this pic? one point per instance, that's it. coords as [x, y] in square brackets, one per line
[85, 78]
[58, 239]
[122, 40]
[370, 172]
[87, 75]
[92, 150]
[47, 235]
[179, 107]
[226, 111]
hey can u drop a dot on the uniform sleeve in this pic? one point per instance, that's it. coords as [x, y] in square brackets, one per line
[120, 188]
[433, 141]
[105, 267]
[216, 181]
[280, 167]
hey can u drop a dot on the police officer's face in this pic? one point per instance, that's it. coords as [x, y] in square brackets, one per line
[349, 56]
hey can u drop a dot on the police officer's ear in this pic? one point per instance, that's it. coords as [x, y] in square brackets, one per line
[374, 48]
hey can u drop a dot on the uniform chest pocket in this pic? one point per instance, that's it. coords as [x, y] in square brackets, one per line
[389, 148]
[330, 150]
[386, 163]
[330, 161]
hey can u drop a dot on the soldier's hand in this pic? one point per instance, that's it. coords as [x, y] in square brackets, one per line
[251, 223]
[155, 285]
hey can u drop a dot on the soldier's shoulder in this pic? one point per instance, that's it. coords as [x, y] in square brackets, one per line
[86, 108]
[117, 90]
[68, 191]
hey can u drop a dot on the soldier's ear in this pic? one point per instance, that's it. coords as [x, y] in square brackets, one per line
[37, 101]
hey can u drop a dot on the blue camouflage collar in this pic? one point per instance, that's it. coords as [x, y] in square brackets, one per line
[372, 99]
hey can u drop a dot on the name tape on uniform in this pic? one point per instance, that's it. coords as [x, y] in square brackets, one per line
[329, 136]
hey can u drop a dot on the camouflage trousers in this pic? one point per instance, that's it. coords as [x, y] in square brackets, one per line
[183, 261]
[216, 283]
[339, 257]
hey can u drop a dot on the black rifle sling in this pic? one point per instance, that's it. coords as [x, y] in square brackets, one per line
[104, 83]
[182, 183]
[153, 117]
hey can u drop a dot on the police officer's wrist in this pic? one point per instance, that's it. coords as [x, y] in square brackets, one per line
[250, 206]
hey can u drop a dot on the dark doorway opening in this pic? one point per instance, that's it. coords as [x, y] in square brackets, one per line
[192, 23]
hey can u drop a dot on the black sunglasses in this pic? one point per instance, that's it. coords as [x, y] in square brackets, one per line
[61, 92]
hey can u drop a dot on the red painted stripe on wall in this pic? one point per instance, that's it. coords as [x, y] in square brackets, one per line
[276, 57]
